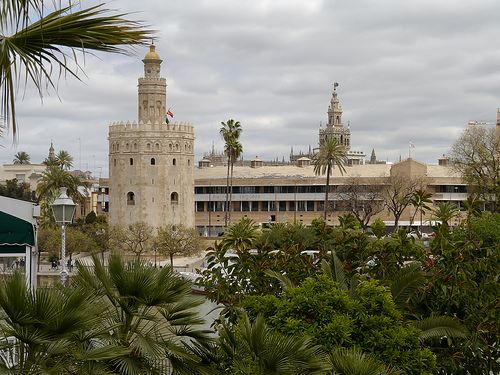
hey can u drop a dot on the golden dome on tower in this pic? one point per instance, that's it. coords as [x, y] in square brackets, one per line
[152, 54]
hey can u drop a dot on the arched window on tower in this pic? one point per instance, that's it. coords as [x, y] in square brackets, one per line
[174, 162]
[148, 146]
[174, 198]
[153, 161]
[338, 120]
[157, 146]
[130, 199]
[131, 161]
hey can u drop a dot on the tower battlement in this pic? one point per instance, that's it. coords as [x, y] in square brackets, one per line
[122, 126]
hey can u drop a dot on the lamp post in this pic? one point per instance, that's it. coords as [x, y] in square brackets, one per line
[63, 209]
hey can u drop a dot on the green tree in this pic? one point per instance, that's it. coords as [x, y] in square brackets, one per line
[331, 153]
[463, 282]
[15, 189]
[367, 319]
[76, 241]
[22, 157]
[64, 160]
[445, 212]
[36, 41]
[136, 238]
[476, 156]
[53, 178]
[177, 240]
[230, 133]
[240, 236]
[420, 200]
[151, 313]
[378, 228]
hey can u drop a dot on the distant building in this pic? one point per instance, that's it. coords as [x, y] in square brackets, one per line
[151, 161]
[334, 129]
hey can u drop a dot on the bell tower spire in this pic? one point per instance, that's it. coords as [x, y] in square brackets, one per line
[152, 90]
[334, 109]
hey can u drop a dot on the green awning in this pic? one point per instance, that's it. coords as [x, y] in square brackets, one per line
[15, 234]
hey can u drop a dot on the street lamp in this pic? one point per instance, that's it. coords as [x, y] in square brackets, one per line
[63, 209]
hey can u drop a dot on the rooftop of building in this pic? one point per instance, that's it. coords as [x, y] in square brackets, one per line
[293, 171]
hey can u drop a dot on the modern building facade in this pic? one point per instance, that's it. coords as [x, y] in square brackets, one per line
[151, 161]
[270, 194]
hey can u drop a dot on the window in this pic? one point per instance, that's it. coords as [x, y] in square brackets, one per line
[174, 162]
[135, 146]
[114, 162]
[301, 206]
[282, 205]
[157, 146]
[174, 198]
[200, 206]
[310, 205]
[131, 161]
[264, 206]
[189, 162]
[148, 146]
[153, 161]
[130, 199]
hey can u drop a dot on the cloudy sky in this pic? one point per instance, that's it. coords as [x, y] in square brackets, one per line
[408, 70]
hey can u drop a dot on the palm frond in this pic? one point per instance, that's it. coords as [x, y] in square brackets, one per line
[440, 326]
[352, 361]
[405, 284]
[285, 282]
[335, 270]
[34, 48]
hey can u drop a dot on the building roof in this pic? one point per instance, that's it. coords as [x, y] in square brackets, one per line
[293, 171]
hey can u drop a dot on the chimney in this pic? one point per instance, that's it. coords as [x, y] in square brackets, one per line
[444, 161]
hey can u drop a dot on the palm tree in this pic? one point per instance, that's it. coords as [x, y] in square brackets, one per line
[346, 361]
[240, 236]
[21, 157]
[48, 186]
[444, 212]
[38, 40]
[64, 160]
[151, 315]
[254, 348]
[331, 153]
[420, 200]
[235, 150]
[230, 133]
[50, 330]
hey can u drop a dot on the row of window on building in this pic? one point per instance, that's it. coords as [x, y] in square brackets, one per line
[174, 198]
[115, 147]
[304, 189]
[263, 206]
[153, 161]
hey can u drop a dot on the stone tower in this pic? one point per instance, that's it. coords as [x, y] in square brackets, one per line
[151, 169]
[335, 128]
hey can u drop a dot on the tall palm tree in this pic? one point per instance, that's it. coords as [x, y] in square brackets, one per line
[331, 153]
[48, 186]
[230, 133]
[420, 200]
[37, 38]
[64, 160]
[235, 150]
[151, 314]
[21, 157]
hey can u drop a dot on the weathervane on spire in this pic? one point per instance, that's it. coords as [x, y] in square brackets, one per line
[335, 85]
